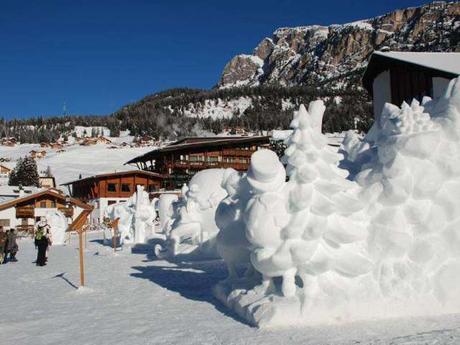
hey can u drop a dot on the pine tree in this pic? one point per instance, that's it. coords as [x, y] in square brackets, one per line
[25, 173]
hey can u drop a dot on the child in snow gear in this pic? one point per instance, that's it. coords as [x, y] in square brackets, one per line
[3, 240]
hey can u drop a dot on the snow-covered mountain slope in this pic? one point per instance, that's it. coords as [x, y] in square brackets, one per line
[322, 54]
[77, 160]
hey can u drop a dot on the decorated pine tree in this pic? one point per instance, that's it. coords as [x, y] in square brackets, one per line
[326, 227]
[25, 173]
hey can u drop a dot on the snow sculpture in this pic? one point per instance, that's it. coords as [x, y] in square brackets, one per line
[167, 211]
[58, 226]
[385, 245]
[124, 213]
[415, 219]
[232, 244]
[195, 228]
[136, 217]
[144, 215]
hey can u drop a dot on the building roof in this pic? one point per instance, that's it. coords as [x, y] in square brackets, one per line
[190, 144]
[50, 191]
[445, 65]
[116, 174]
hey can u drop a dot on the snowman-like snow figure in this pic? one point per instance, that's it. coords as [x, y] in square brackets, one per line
[266, 216]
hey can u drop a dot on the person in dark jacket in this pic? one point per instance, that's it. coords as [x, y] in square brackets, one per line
[12, 246]
[3, 240]
[41, 241]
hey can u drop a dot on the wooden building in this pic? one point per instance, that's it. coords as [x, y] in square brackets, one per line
[106, 189]
[23, 212]
[182, 159]
[5, 171]
[395, 77]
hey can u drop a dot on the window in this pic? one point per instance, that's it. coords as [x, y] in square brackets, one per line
[111, 202]
[53, 204]
[152, 188]
[213, 158]
[125, 187]
[42, 204]
[111, 187]
[4, 222]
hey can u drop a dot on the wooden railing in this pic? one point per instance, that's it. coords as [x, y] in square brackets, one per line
[67, 211]
[25, 212]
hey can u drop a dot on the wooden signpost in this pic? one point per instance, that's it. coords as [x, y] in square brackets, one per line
[82, 266]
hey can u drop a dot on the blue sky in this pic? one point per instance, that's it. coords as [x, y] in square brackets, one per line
[97, 55]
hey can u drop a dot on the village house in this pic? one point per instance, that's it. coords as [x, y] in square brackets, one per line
[9, 141]
[47, 182]
[104, 190]
[5, 171]
[21, 212]
[180, 160]
[37, 154]
[396, 77]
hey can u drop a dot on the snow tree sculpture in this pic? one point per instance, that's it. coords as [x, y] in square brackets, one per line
[326, 229]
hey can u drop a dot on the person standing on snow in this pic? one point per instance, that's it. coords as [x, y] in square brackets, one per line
[42, 241]
[3, 240]
[12, 246]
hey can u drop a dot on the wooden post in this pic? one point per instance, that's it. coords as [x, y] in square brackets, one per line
[114, 226]
[82, 269]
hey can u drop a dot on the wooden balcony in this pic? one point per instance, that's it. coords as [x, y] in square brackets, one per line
[25, 212]
[67, 211]
[208, 165]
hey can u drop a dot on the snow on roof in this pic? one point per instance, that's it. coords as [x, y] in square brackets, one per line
[447, 62]
[14, 190]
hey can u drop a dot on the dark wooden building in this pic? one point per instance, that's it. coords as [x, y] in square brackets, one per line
[114, 185]
[104, 190]
[395, 77]
[182, 159]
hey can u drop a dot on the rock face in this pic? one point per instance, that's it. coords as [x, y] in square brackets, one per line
[333, 54]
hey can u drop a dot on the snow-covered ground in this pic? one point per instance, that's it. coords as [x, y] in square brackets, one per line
[133, 299]
[75, 160]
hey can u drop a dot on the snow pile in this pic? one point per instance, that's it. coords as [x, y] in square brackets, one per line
[135, 216]
[192, 223]
[331, 249]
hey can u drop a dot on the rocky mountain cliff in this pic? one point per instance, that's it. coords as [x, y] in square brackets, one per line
[336, 54]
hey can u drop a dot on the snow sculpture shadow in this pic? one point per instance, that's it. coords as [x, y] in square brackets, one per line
[192, 280]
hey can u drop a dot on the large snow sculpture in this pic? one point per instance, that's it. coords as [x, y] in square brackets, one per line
[386, 245]
[195, 228]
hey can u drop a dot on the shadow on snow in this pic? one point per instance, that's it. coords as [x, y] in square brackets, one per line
[193, 280]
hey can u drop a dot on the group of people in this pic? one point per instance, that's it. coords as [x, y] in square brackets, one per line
[8, 245]
[42, 240]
